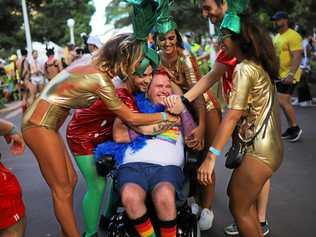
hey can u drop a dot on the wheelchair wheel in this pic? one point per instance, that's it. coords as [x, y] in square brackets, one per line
[195, 231]
[118, 226]
[187, 223]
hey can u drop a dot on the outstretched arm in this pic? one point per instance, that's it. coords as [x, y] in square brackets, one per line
[224, 132]
[196, 138]
[174, 103]
[123, 134]
[206, 81]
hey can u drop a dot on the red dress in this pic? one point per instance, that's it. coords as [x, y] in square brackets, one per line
[92, 126]
[11, 203]
[228, 76]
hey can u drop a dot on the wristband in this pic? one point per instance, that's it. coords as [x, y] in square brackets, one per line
[164, 116]
[185, 101]
[215, 151]
[12, 131]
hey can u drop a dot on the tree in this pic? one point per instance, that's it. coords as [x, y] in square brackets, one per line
[11, 22]
[47, 21]
[184, 13]
[187, 14]
[56, 13]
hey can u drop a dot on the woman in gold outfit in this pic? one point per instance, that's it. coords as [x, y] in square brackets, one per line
[184, 72]
[79, 87]
[252, 105]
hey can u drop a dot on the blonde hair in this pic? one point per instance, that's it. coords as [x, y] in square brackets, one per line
[120, 55]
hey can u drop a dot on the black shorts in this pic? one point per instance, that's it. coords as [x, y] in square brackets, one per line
[285, 88]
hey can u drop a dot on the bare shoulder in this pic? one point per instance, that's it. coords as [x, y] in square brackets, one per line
[86, 69]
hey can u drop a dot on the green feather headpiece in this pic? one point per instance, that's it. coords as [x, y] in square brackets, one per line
[151, 58]
[231, 19]
[165, 22]
[144, 17]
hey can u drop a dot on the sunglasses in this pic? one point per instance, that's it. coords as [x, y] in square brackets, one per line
[222, 37]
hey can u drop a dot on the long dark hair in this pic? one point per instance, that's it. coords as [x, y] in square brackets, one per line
[256, 44]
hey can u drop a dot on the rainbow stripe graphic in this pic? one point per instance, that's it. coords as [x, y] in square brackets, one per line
[171, 135]
[145, 229]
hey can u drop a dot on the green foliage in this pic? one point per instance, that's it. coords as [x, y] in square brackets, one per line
[47, 21]
[188, 15]
[11, 21]
[118, 13]
[48, 18]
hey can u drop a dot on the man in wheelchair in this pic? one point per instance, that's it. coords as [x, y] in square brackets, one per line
[155, 169]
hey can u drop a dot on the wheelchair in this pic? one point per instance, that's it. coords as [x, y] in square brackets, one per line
[118, 225]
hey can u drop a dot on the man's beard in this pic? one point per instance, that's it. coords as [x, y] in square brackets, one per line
[277, 27]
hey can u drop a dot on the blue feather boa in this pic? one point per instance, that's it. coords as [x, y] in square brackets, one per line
[117, 150]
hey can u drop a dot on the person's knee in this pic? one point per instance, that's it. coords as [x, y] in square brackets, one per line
[284, 100]
[164, 197]
[238, 211]
[239, 205]
[232, 207]
[73, 180]
[132, 197]
[62, 190]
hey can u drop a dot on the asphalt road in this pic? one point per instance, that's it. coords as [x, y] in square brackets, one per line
[292, 209]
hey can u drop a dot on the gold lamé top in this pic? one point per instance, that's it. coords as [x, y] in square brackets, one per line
[252, 92]
[79, 90]
[184, 72]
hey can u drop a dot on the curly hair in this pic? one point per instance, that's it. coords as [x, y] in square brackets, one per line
[256, 44]
[120, 55]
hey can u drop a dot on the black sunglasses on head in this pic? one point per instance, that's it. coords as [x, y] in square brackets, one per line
[223, 36]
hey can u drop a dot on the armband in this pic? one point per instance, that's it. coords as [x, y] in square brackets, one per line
[164, 116]
[12, 131]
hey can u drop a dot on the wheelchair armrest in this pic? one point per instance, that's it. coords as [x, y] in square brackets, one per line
[192, 161]
[105, 165]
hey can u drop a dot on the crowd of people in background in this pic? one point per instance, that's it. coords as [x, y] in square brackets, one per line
[203, 47]
[23, 77]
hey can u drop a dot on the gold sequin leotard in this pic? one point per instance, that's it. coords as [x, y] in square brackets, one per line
[252, 92]
[69, 90]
